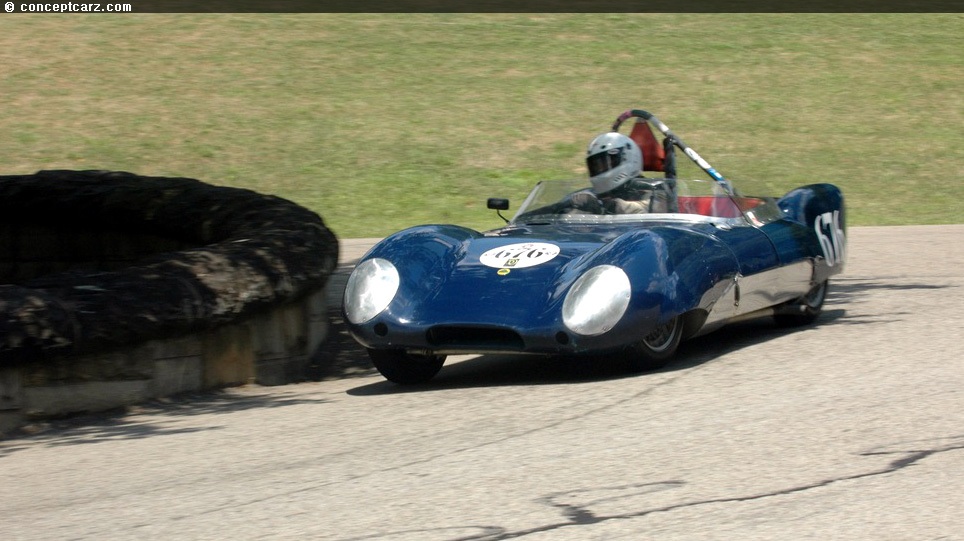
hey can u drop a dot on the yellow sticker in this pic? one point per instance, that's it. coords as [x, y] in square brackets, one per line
[503, 272]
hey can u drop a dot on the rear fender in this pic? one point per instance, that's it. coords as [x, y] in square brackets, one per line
[821, 208]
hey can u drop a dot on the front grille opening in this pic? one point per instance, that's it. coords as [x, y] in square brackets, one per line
[494, 338]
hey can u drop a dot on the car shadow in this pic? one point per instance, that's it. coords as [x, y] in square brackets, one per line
[505, 370]
[527, 370]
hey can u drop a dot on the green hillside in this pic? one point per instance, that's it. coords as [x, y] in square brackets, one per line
[379, 122]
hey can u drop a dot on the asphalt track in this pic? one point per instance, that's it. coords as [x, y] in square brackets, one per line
[850, 429]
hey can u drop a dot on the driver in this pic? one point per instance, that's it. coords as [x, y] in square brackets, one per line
[615, 165]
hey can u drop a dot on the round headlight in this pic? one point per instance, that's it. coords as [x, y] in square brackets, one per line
[596, 300]
[371, 288]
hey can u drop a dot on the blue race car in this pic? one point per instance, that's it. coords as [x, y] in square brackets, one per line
[572, 275]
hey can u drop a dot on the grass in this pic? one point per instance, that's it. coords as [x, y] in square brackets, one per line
[380, 122]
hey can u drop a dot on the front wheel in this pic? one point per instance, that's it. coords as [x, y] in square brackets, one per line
[659, 346]
[404, 368]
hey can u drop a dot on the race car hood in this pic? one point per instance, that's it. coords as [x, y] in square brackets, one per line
[518, 276]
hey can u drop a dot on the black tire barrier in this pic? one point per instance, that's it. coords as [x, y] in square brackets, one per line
[195, 256]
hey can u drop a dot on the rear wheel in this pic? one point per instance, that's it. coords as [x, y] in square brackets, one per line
[804, 310]
[404, 368]
[659, 346]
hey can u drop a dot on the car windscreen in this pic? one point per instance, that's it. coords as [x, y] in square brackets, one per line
[565, 201]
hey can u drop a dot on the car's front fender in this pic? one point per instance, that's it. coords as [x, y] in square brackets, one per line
[672, 270]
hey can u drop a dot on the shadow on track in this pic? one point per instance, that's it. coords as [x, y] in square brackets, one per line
[525, 370]
[121, 424]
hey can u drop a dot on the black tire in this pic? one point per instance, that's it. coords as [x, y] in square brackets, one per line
[804, 310]
[658, 347]
[404, 368]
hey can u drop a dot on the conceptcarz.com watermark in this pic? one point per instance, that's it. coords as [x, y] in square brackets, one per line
[66, 7]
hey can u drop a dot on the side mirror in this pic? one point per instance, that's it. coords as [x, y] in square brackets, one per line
[495, 203]
[498, 205]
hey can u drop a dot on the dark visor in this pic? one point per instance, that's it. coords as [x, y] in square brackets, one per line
[603, 161]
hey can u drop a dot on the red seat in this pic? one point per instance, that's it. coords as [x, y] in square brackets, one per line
[654, 156]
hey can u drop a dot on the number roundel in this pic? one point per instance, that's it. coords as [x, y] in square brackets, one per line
[831, 237]
[518, 256]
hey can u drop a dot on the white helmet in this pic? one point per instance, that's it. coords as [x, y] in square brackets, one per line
[612, 159]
